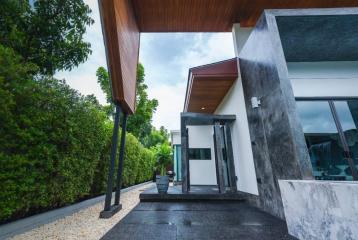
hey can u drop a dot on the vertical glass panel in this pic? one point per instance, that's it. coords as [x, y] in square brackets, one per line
[348, 116]
[323, 142]
[178, 157]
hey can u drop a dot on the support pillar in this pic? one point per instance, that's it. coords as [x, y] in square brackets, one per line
[184, 156]
[219, 157]
[109, 210]
[230, 158]
[121, 161]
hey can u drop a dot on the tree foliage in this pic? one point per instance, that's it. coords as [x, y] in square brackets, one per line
[163, 156]
[156, 137]
[48, 34]
[140, 123]
[55, 142]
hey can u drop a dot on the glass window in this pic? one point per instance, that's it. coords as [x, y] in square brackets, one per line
[323, 141]
[347, 112]
[199, 153]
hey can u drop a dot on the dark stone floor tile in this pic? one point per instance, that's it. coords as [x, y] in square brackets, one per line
[198, 221]
[141, 232]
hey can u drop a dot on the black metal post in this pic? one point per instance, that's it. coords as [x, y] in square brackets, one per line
[219, 157]
[184, 155]
[230, 158]
[121, 160]
[108, 212]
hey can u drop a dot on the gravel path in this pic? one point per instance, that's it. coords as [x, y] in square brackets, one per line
[85, 224]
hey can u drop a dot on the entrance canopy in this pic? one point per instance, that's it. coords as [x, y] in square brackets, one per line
[123, 20]
[208, 85]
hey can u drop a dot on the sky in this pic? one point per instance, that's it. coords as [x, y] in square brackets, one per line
[166, 58]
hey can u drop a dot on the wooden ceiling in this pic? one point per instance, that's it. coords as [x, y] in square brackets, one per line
[208, 85]
[121, 36]
[123, 20]
[214, 15]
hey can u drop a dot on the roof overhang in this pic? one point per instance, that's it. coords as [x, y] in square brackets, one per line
[214, 15]
[208, 85]
[123, 20]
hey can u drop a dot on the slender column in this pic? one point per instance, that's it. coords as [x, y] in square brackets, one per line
[107, 204]
[121, 160]
[187, 160]
[230, 158]
[184, 156]
[219, 157]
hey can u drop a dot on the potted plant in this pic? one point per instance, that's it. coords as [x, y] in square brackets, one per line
[163, 155]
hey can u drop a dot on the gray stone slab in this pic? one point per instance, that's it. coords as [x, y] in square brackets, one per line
[144, 232]
[278, 144]
[219, 220]
[321, 209]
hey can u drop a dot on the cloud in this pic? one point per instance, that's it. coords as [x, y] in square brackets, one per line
[167, 59]
[171, 101]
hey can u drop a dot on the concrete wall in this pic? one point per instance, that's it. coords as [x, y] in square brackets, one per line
[202, 172]
[324, 79]
[278, 144]
[234, 103]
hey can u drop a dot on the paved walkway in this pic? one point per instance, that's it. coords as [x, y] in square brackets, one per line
[194, 220]
[84, 224]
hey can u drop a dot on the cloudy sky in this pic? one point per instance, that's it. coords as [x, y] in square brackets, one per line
[166, 58]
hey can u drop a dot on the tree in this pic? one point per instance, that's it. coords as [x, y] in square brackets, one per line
[103, 81]
[51, 139]
[139, 124]
[156, 137]
[163, 155]
[48, 34]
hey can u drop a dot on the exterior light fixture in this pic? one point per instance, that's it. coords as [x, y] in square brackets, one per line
[255, 102]
[202, 108]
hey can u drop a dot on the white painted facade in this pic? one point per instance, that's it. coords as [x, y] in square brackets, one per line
[175, 137]
[202, 172]
[234, 103]
[324, 79]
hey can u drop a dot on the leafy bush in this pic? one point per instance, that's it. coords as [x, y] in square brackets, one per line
[55, 142]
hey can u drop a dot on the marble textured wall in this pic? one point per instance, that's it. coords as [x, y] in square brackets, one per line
[278, 143]
[320, 209]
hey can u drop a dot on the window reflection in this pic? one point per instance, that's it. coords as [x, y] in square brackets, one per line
[323, 140]
[347, 112]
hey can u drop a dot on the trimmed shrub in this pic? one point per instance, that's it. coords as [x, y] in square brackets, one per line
[55, 143]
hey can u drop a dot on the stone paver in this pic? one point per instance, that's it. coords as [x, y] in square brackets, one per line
[194, 220]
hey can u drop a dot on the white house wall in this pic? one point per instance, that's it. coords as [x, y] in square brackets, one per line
[234, 103]
[202, 172]
[324, 79]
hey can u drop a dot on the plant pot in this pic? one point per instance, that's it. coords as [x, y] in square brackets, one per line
[162, 184]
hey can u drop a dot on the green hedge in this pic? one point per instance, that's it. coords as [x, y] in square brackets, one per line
[55, 143]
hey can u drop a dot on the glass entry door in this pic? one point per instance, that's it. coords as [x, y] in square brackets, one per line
[330, 128]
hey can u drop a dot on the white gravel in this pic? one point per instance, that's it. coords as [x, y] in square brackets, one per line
[86, 223]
